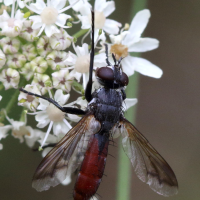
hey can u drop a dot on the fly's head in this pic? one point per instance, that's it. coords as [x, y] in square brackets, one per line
[112, 77]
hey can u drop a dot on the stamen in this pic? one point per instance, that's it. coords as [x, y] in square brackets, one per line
[43, 26]
[67, 123]
[35, 113]
[47, 133]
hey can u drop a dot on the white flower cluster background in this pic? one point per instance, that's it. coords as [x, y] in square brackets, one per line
[38, 54]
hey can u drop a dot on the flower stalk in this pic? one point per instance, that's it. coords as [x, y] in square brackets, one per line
[124, 165]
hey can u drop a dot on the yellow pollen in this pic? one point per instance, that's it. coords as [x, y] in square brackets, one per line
[119, 50]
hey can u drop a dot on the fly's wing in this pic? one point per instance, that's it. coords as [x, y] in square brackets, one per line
[148, 164]
[66, 156]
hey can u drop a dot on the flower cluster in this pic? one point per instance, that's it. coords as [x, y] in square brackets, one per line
[38, 54]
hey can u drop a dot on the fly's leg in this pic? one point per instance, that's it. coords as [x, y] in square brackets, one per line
[88, 90]
[68, 110]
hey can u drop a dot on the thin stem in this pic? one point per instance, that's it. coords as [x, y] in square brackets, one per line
[124, 165]
[13, 100]
[80, 33]
[1, 86]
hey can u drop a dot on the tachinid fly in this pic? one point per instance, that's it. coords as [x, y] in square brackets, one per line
[102, 119]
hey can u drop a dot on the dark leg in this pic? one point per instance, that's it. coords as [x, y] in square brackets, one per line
[107, 61]
[88, 90]
[69, 110]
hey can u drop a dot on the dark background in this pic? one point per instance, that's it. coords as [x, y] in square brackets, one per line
[167, 113]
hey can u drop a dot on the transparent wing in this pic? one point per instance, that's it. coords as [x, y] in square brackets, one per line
[148, 164]
[66, 156]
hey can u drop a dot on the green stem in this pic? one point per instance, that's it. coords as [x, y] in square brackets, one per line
[1, 86]
[124, 165]
[13, 100]
[80, 33]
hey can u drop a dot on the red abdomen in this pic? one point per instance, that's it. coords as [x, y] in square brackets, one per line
[92, 168]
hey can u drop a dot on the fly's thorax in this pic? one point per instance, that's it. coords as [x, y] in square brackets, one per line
[106, 106]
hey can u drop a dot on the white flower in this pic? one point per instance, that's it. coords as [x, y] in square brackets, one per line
[10, 78]
[49, 16]
[2, 59]
[11, 26]
[60, 41]
[29, 101]
[51, 115]
[20, 131]
[131, 41]
[102, 10]
[80, 63]
[62, 80]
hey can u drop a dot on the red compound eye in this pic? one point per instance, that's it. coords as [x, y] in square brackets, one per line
[124, 79]
[105, 73]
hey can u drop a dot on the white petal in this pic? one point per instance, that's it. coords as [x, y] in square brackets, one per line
[61, 19]
[4, 130]
[137, 26]
[99, 5]
[50, 30]
[79, 4]
[110, 7]
[85, 20]
[85, 10]
[71, 59]
[82, 51]
[8, 2]
[144, 44]
[43, 104]
[129, 102]
[127, 65]
[37, 7]
[37, 21]
[19, 15]
[58, 4]
[111, 26]
[42, 117]
[147, 68]
[60, 97]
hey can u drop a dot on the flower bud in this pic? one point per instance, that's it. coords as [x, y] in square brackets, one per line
[16, 61]
[39, 65]
[43, 46]
[40, 80]
[10, 78]
[29, 51]
[60, 41]
[10, 46]
[56, 59]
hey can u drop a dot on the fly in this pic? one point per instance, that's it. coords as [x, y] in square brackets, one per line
[85, 146]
